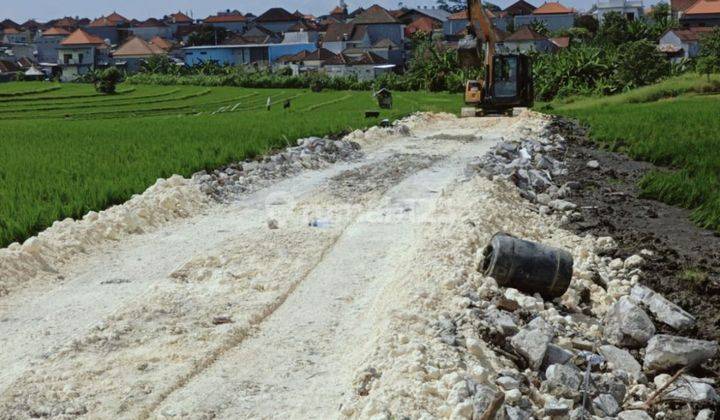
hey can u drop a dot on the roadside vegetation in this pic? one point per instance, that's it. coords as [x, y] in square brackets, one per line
[673, 124]
[67, 149]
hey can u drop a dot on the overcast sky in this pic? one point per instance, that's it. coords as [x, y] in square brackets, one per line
[141, 9]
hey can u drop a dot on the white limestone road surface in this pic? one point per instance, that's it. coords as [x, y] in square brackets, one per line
[214, 315]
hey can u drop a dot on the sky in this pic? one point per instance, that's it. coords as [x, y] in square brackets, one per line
[43, 10]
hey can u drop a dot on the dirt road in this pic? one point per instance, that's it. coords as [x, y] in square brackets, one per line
[217, 315]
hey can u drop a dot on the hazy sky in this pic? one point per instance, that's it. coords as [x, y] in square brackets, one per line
[21, 10]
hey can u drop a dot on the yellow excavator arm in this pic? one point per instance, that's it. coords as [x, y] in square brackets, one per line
[480, 24]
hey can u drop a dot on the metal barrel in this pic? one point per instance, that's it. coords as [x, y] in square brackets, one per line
[528, 266]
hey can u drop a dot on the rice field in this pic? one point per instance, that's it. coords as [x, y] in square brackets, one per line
[680, 133]
[66, 150]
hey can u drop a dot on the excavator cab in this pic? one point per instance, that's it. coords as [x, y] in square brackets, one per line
[510, 85]
[508, 80]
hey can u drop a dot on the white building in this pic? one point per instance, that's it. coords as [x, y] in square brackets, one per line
[631, 9]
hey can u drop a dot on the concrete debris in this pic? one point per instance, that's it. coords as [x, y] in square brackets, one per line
[532, 344]
[228, 183]
[634, 415]
[620, 359]
[605, 405]
[556, 355]
[601, 318]
[663, 310]
[688, 389]
[562, 381]
[665, 352]
[555, 407]
[626, 324]
[705, 414]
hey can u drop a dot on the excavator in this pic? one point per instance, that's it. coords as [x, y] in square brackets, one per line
[508, 81]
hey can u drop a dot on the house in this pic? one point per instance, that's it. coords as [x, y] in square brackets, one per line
[232, 21]
[455, 23]
[134, 52]
[306, 61]
[8, 24]
[9, 70]
[104, 28]
[81, 52]
[47, 44]
[683, 42]
[340, 12]
[10, 35]
[519, 8]
[256, 34]
[454, 27]
[242, 54]
[422, 25]
[366, 67]
[561, 41]
[341, 36]
[278, 19]
[553, 15]
[301, 33]
[678, 7]
[117, 19]
[178, 20]
[702, 13]
[151, 28]
[525, 40]
[380, 24]
[437, 15]
[67, 23]
[32, 26]
[631, 9]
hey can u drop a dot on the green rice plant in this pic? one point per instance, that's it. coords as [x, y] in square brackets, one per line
[680, 135]
[53, 167]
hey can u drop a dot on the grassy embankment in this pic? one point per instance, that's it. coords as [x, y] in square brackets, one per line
[66, 150]
[674, 124]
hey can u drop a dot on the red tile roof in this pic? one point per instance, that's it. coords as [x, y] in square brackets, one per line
[226, 17]
[116, 18]
[704, 7]
[339, 11]
[561, 41]
[102, 22]
[277, 14]
[138, 47]
[80, 37]
[56, 32]
[423, 24]
[180, 17]
[690, 34]
[552, 8]
[10, 31]
[375, 14]
[461, 15]
[520, 7]
[681, 5]
[150, 23]
[162, 43]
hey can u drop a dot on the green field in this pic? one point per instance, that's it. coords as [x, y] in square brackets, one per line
[676, 125]
[66, 150]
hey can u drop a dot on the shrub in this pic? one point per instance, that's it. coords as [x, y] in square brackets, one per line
[639, 63]
[107, 80]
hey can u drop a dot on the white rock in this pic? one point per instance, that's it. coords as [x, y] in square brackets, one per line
[593, 164]
[620, 359]
[666, 352]
[634, 261]
[634, 415]
[627, 325]
[664, 310]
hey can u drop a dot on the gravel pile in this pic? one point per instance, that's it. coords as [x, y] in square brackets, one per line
[528, 163]
[310, 153]
[597, 350]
